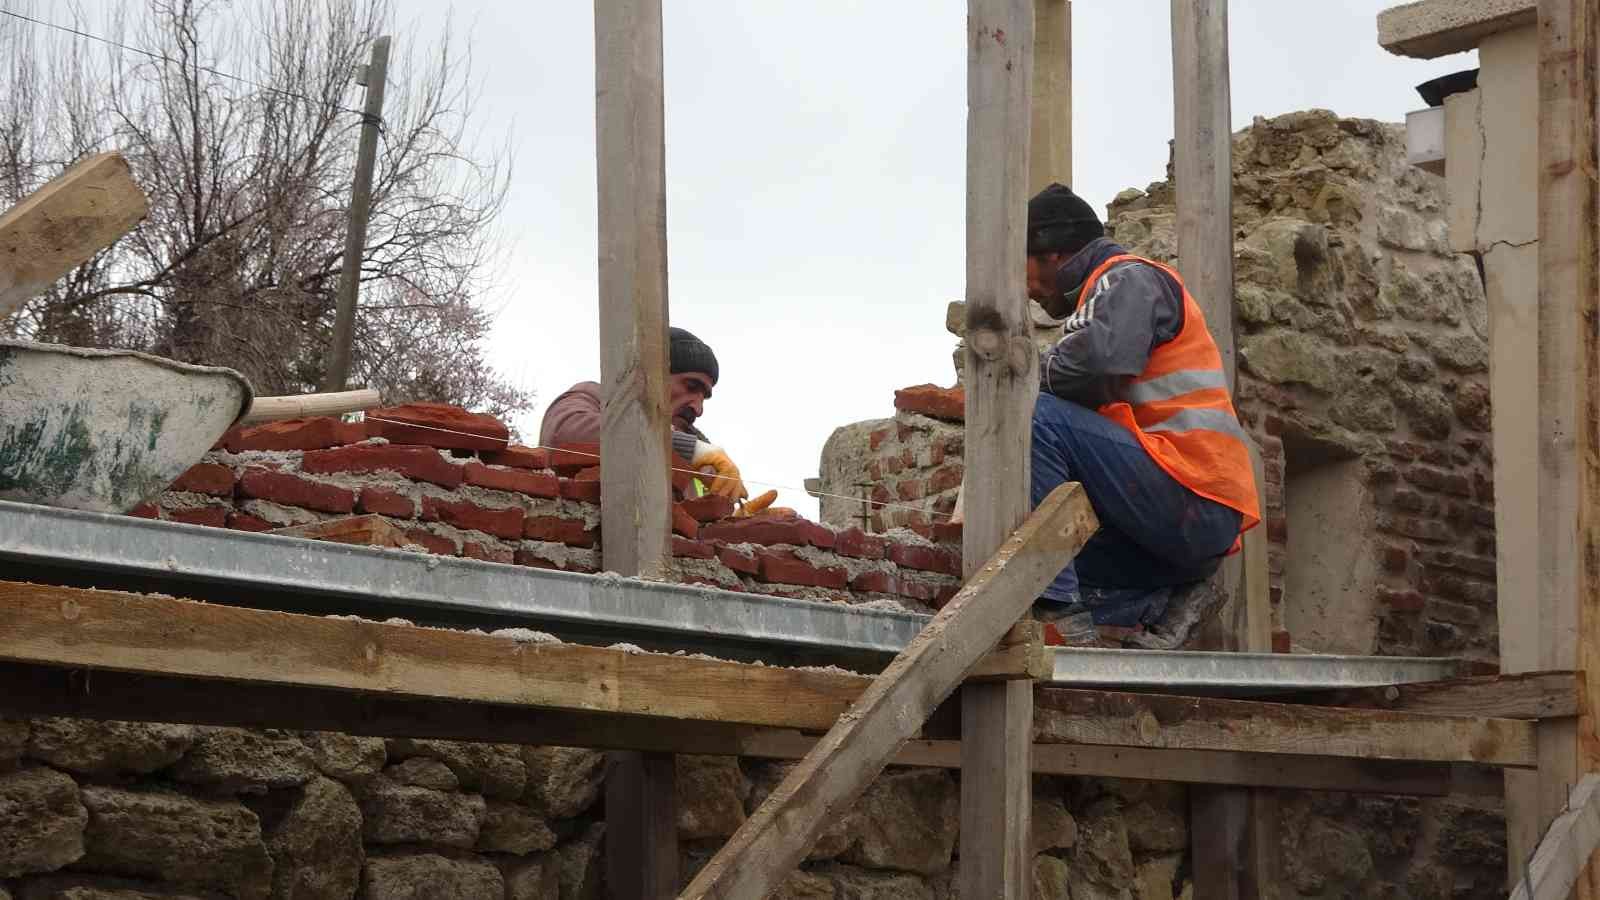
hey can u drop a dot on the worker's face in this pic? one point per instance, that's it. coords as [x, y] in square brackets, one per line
[1042, 275]
[687, 395]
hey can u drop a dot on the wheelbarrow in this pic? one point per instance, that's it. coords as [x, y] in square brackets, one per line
[106, 430]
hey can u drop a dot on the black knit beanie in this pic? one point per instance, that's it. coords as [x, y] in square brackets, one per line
[690, 354]
[1060, 221]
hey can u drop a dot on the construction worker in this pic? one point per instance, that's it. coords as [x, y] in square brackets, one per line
[1133, 403]
[574, 417]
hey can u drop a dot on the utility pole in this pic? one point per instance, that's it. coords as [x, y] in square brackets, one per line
[355, 239]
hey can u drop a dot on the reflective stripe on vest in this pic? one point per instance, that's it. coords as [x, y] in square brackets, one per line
[1200, 418]
[1175, 384]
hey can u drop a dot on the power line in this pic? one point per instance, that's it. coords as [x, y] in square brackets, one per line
[167, 59]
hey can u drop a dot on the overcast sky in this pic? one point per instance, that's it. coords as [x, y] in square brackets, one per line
[815, 180]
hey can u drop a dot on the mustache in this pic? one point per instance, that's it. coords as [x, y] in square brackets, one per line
[686, 413]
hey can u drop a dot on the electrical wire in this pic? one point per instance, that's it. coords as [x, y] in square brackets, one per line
[167, 59]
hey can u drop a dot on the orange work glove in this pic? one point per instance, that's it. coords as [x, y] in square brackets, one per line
[761, 502]
[725, 481]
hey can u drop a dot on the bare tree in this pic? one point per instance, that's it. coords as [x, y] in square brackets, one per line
[240, 121]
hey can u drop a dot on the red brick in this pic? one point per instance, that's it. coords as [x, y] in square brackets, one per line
[881, 495]
[739, 560]
[944, 479]
[213, 516]
[769, 529]
[145, 511]
[296, 434]
[587, 491]
[947, 532]
[857, 543]
[475, 550]
[1282, 642]
[925, 591]
[927, 559]
[910, 490]
[709, 508]
[1401, 601]
[439, 425]
[683, 523]
[908, 458]
[931, 400]
[1272, 448]
[891, 465]
[292, 490]
[693, 549]
[505, 523]
[1278, 529]
[433, 543]
[783, 567]
[877, 582]
[529, 557]
[518, 457]
[558, 530]
[945, 504]
[569, 459]
[877, 438]
[245, 522]
[534, 484]
[386, 502]
[874, 469]
[206, 478]
[946, 594]
[1394, 558]
[936, 454]
[903, 431]
[417, 463]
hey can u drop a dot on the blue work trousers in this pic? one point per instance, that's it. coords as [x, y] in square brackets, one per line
[1154, 532]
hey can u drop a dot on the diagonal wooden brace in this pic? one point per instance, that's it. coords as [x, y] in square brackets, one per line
[837, 770]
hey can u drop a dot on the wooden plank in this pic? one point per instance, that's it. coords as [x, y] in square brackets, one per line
[161, 635]
[1568, 526]
[370, 531]
[35, 690]
[1021, 655]
[1566, 848]
[1001, 385]
[1203, 723]
[64, 224]
[642, 816]
[772, 842]
[1050, 134]
[1530, 695]
[636, 426]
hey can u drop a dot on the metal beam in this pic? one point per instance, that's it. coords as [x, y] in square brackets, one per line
[1238, 674]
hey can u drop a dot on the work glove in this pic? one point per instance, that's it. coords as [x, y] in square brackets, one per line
[725, 480]
[761, 502]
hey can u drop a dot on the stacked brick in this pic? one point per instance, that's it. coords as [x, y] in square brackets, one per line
[454, 485]
[915, 461]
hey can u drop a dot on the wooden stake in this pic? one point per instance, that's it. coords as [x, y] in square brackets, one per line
[64, 224]
[635, 440]
[1568, 598]
[1050, 136]
[773, 841]
[355, 237]
[1002, 384]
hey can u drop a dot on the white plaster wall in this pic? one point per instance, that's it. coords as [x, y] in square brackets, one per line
[1331, 578]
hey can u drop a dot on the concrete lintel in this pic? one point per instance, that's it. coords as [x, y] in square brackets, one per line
[1434, 28]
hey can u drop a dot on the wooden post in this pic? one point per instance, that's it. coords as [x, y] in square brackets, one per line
[1002, 382]
[635, 518]
[1568, 597]
[355, 237]
[1050, 141]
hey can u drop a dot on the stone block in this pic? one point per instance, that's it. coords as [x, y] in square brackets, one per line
[582, 864]
[316, 844]
[81, 887]
[13, 741]
[834, 840]
[420, 771]
[1103, 854]
[428, 876]
[494, 770]
[1154, 880]
[155, 833]
[416, 463]
[513, 828]
[533, 878]
[805, 886]
[292, 490]
[1052, 880]
[240, 759]
[563, 781]
[42, 821]
[1155, 828]
[402, 814]
[1288, 357]
[1053, 827]
[906, 820]
[711, 794]
[108, 749]
[345, 757]
[439, 425]
[850, 883]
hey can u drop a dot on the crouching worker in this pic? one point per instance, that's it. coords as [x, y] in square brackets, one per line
[1133, 403]
[574, 417]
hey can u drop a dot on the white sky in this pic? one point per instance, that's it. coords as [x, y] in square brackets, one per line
[815, 172]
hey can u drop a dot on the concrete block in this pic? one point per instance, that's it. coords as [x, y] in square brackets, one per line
[1509, 83]
[1463, 171]
[1425, 143]
[1436, 28]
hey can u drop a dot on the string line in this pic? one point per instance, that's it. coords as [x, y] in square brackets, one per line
[766, 484]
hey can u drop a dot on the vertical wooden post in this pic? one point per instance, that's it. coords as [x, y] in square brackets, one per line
[1002, 382]
[635, 523]
[1233, 838]
[1568, 598]
[355, 237]
[1050, 135]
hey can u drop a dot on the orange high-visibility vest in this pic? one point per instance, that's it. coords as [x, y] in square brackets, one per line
[1180, 411]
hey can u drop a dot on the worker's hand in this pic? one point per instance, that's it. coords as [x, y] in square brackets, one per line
[761, 502]
[725, 481]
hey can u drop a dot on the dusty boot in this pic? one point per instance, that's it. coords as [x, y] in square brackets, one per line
[1066, 624]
